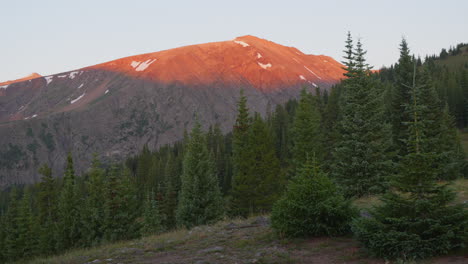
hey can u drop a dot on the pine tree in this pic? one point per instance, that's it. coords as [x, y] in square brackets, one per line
[306, 130]
[401, 96]
[11, 250]
[2, 236]
[26, 221]
[312, 206]
[152, 217]
[417, 218]
[68, 226]
[261, 183]
[200, 200]
[121, 207]
[452, 155]
[239, 141]
[47, 211]
[361, 156]
[349, 61]
[93, 209]
[441, 131]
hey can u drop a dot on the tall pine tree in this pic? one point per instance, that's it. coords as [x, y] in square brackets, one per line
[307, 136]
[417, 218]
[47, 211]
[200, 200]
[68, 226]
[361, 160]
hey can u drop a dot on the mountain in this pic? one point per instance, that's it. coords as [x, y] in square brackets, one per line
[4, 85]
[117, 107]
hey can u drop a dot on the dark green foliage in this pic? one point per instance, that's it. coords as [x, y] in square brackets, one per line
[152, 217]
[200, 199]
[68, 226]
[28, 228]
[417, 218]
[362, 161]
[120, 206]
[312, 206]
[11, 249]
[400, 97]
[92, 211]
[47, 211]
[260, 184]
[307, 136]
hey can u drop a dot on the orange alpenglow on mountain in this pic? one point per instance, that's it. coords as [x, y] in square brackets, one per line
[26, 78]
[118, 107]
[244, 60]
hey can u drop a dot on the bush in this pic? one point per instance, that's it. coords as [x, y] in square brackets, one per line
[312, 206]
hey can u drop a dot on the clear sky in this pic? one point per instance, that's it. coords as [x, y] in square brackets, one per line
[52, 36]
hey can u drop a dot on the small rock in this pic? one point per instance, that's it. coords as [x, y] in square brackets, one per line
[259, 254]
[109, 259]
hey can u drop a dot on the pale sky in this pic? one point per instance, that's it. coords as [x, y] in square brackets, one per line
[53, 36]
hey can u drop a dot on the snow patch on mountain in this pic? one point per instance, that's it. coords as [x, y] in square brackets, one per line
[312, 72]
[4, 86]
[77, 99]
[264, 66]
[73, 74]
[313, 84]
[259, 55]
[141, 66]
[302, 77]
[241, 43]
[30, 117]
[81, 85]
[49, 79]
[106, 91]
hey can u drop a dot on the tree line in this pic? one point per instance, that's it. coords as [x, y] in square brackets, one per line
[304, 162]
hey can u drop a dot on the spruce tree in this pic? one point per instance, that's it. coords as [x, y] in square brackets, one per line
[417, 217]
[2, 236]
[361, 158]
[307, 136]
[47, 211]
[152, 217]
[312, 206]
[68, 226]
[400, 97]
[120, 207]
[260, 185]
[239, 141]
[11, 250]
[93, 210]
[240, 157]
[26, 222]
[200, 200]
